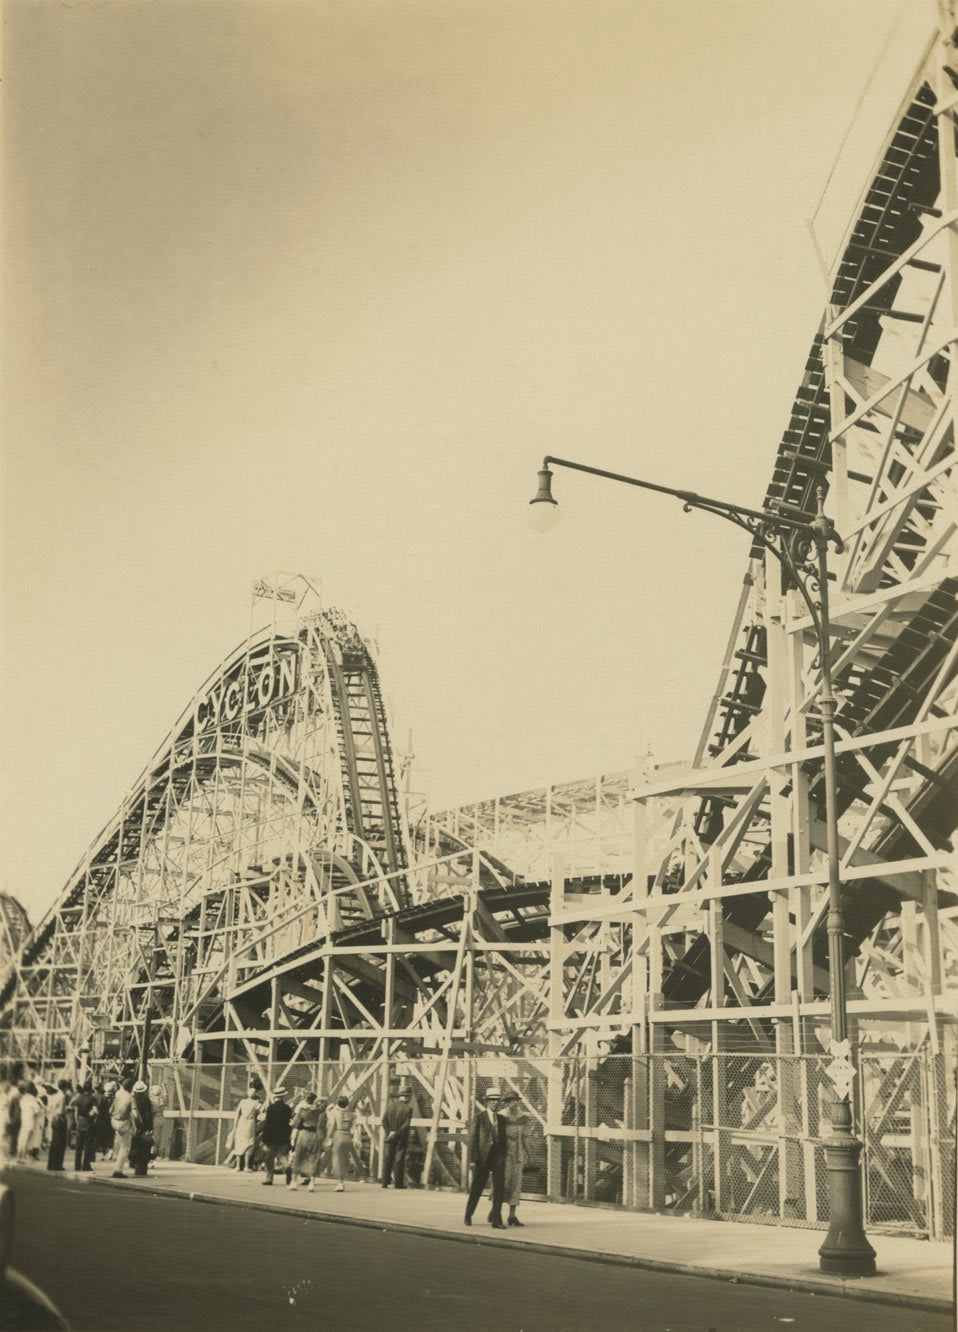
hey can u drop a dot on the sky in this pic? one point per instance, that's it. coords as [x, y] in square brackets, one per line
[314, 286]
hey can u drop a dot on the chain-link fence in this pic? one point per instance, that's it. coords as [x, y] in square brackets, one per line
[731, 1135]
[737, 1135]
[908, 1118]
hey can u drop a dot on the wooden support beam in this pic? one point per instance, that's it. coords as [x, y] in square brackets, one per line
[757, 947]
[308, 992]
[487, 924]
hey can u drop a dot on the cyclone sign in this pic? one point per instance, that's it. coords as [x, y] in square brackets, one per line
[250, 688]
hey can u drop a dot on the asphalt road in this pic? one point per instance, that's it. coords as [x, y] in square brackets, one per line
[112, 1258]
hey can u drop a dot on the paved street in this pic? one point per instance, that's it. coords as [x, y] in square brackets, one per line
[114, 1258]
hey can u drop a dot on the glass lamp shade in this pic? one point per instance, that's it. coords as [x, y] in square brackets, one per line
[543, 510]
[543, 514]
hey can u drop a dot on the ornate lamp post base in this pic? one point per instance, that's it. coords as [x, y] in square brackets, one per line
[846, 1251]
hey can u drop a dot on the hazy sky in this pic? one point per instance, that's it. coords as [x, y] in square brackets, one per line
[314, 286]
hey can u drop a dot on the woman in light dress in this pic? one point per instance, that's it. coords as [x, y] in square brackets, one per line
[340, 1126]
[244, 1130]
[515, 1153]
[309, 1129]
[32, 1121]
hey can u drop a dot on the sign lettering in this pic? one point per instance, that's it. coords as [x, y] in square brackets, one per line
[251, 690]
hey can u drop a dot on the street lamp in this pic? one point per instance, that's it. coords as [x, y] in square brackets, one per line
[801, 547]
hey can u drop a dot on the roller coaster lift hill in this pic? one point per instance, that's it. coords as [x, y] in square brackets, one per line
[801, 548]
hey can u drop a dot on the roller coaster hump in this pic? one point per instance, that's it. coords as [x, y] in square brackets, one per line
[643, 957]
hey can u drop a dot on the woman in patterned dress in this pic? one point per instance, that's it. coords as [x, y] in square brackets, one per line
[309, 1128]
[515, 1153]
[341, 1140]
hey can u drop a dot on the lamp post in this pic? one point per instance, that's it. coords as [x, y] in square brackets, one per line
[84, 1064]
[800, 546]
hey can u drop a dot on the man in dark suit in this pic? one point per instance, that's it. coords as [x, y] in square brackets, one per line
[487, 1144]
[396, 1122]
[84, 1112]
[277, 1132]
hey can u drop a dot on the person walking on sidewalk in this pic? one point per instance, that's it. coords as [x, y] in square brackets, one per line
[487, 1143]
[103, 1134]
[341, 1140]
[515, 1154]
[277, 1123]
[83, 1109]
[244, 1130]
[141, 1149]
[32, 1122]
[121, 1117]
[396, 1121]
[309, 1129]
[57, 1110]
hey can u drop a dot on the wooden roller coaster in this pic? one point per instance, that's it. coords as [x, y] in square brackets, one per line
[643, 955]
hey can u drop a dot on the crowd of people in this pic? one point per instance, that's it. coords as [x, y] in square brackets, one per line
[271, 1133]
[111, 1119]
[300, 1139]
[304, 1139]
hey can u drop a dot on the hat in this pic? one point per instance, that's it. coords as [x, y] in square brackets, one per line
[510, 1096]
[492, 1093]
[279, 1092]
[405, 1091]
[139, 1086]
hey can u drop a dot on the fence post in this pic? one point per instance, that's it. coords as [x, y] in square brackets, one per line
[224, 1081]
[628, 1146]
[554, 1091]
[190, 1111]
[810, 1133]
[590, 1147]
[697, 1124]
[572, 1189]
[720, 1153]
[922, 1168]
[939, 1189]
[858, 1094]
[642, 1148]
[790, 1170]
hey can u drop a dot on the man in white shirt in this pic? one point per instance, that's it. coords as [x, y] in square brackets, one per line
[121, 1117]
[57, 1110]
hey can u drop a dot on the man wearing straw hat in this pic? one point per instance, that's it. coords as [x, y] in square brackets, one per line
[487, 1143]
[277, 1132]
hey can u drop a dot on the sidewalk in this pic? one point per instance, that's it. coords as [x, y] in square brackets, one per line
[911, 1273]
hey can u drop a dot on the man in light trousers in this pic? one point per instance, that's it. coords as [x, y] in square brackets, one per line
[121, 1117]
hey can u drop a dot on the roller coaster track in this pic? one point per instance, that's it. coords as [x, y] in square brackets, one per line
[882, 690]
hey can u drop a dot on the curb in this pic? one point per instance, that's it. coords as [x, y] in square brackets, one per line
[895, 1299]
